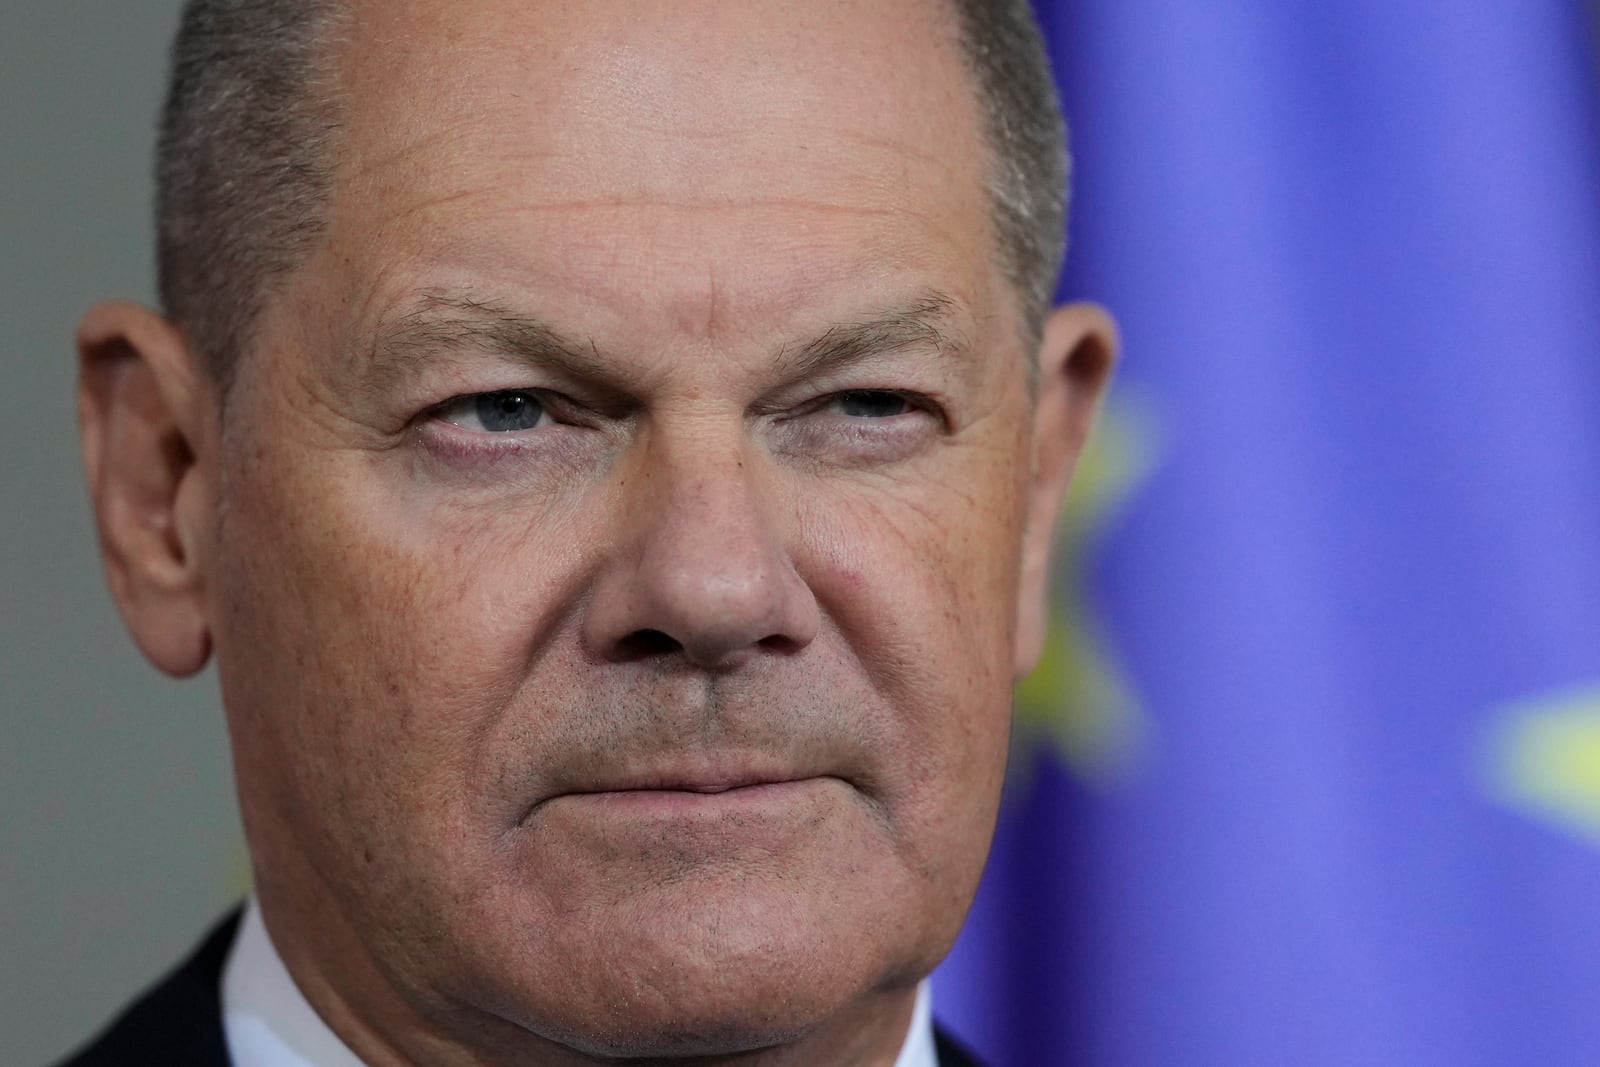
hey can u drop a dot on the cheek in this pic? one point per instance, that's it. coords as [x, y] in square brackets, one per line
[374, 642]
[918, 568]
[920, 580]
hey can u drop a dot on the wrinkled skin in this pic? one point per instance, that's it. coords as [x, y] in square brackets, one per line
[657, 707]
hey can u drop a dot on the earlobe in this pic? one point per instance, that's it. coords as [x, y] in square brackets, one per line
[1076, 357]
[141, 417]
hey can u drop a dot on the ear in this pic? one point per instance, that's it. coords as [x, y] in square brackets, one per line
[1076, 355]
[142, 406]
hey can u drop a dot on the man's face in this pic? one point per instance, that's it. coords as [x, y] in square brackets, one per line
[615, 574]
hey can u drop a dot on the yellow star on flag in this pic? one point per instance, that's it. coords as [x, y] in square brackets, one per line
[1544, 760]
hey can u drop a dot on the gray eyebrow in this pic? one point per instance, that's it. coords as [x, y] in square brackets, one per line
[924, 322]
[450, 321]
[446, 321]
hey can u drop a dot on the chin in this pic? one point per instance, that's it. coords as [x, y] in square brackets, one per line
[675, 1039]
[713, 966]
[729, 1011]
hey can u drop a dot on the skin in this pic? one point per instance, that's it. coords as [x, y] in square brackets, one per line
[672, 726]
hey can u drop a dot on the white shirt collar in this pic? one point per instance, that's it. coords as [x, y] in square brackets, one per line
[266, 1019]
[269, 1023]
[918, 1051]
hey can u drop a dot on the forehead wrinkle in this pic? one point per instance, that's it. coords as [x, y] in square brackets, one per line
[623, 202]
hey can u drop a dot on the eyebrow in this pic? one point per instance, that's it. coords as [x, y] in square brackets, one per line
[924, 322]
[444, 321]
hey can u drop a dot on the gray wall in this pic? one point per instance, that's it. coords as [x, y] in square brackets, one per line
[120, 834]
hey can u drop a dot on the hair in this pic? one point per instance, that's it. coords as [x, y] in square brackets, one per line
[1030, 169]
[245, 157]
[244, 162]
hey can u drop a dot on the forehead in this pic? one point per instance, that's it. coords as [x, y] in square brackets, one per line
[752, 80]
[751, 150]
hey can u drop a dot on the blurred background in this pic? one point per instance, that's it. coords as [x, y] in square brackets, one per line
[121, 836]
[1311, 772]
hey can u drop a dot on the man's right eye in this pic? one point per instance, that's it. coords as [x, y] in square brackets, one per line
[506, 411]
[871, 404]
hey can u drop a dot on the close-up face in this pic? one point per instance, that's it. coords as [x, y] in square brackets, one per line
[616, 522]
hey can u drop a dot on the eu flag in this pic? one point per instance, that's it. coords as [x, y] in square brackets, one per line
[1313, 778]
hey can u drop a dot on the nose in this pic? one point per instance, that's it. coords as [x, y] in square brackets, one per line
[703, 571]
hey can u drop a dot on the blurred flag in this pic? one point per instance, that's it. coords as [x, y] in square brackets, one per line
[1312, 777]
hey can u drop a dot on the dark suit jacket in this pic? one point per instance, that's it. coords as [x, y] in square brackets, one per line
[179, 1022]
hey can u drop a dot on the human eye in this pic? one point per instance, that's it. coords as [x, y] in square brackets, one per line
[869, 404]
[502, 412]
[862, 426]
[501, 427]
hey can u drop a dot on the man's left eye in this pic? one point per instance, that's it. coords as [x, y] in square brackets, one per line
[871, 404]
[507, 411]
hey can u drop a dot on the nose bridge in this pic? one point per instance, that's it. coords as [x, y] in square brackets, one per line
[711, 476]
[705, 569]
[712, 524]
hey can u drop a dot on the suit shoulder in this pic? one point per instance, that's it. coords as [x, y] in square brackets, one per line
[177, 1022]
[951, 1052]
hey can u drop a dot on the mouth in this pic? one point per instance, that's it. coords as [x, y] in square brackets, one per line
[704, 773]
[717, 792]
[774, 780]
[695, 795]
[698, 786]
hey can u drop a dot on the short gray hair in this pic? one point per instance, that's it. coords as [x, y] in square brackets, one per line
[1030, 170]
[245, 158]
[244, 162]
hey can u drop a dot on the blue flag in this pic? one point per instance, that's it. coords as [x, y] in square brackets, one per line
[1311, 775]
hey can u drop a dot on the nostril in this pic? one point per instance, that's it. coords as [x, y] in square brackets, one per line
[643, 644]
[782, 644]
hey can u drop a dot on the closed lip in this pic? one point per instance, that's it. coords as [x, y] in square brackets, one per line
[689, 779]
[690, 784]
[688, 770]
[695, 799]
